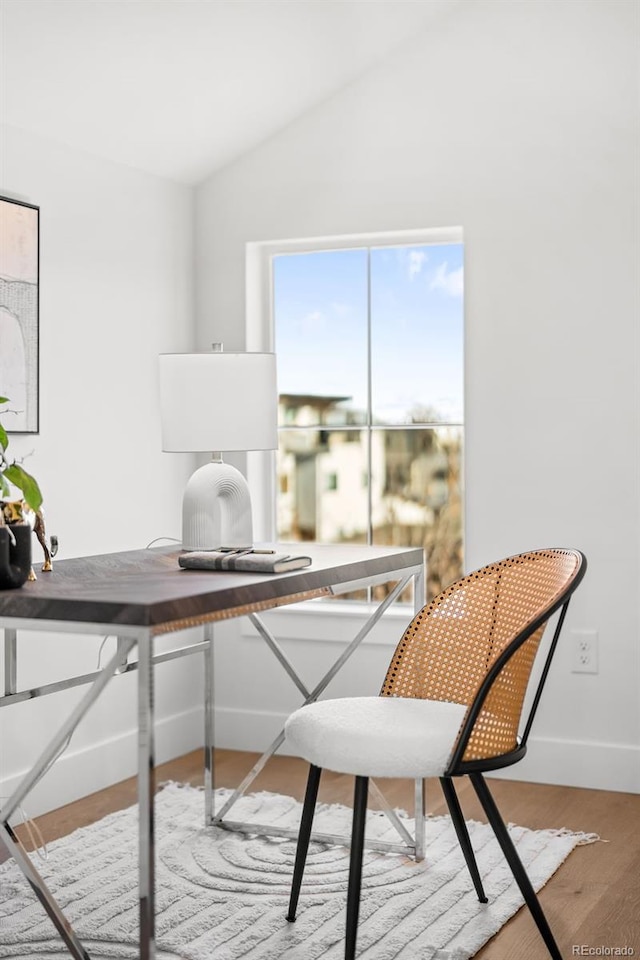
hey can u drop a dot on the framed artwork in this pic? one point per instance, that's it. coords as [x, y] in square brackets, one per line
[19, 314]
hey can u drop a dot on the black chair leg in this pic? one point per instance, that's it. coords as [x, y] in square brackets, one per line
[304, 835]
[511, 854]
[457, 818]
[355, 864]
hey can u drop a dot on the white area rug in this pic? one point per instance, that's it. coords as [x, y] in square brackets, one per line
[223, 896]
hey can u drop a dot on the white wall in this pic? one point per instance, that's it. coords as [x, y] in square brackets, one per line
[116, 289]
[518, 121]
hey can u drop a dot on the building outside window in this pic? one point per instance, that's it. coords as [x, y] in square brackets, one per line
[369, 343]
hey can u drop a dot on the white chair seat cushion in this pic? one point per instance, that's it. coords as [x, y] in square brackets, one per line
[376, 736]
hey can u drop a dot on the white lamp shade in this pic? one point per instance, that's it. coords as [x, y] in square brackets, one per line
[218, 401]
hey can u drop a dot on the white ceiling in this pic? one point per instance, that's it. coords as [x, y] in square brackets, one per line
[181, 87]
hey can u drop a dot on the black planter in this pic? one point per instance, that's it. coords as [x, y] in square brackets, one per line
[15, 559]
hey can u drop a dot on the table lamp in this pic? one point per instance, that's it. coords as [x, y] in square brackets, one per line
[215, 402]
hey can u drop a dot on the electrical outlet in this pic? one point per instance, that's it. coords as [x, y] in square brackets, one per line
[585, 651]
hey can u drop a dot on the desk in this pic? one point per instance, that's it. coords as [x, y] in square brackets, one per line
[138, 595]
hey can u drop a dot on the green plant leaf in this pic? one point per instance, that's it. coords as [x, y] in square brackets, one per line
[4, 399]
[4, 486]
[25, 482]
[4, 439]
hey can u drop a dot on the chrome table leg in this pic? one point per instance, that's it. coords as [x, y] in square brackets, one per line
[209, 719]
[39, 887]
[146, 791]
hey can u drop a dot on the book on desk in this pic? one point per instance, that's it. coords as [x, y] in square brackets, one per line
[245, 560]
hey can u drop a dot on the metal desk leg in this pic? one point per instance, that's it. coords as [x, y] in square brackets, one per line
[310, 698]
[60, 740]
[146, 791]
[411, 845]
[47, 758]
[419, 806]
[39, 887]
[419, 591]
[419, 814]
[209, 737]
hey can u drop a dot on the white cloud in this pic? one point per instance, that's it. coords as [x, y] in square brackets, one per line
[417, 259]
[312, 321]
[450, 282]
[340, 309]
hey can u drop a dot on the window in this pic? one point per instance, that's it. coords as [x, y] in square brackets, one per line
[369, 343]
[331, 481]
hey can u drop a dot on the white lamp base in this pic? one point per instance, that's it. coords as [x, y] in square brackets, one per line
[216, 509]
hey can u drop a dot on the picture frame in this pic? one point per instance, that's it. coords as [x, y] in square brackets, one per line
[20, 314]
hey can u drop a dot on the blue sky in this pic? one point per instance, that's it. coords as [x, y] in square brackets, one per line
[320, 306]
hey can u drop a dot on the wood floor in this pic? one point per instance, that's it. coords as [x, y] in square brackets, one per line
[592, 902]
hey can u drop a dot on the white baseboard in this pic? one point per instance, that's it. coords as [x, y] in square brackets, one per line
[579, 763]
[78, 773]
[600, 766]
[572, 763]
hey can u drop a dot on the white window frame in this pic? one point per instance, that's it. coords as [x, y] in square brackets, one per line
[260, 336]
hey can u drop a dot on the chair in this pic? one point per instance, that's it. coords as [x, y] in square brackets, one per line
[451, 705]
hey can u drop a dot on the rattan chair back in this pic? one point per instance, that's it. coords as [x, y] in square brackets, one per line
[476, 642]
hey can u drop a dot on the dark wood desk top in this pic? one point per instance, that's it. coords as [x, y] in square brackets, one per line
[147, 588]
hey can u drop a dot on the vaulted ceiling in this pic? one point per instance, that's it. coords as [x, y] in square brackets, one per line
[180, 88]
